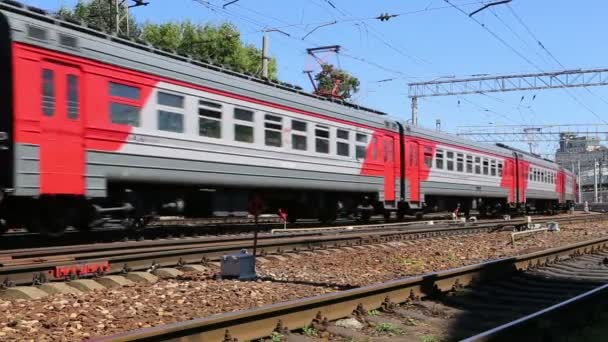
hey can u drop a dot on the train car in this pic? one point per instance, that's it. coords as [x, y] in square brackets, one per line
[95, 126]
[445, 172]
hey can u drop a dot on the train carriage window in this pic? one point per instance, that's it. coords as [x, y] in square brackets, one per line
[124, 114]
[428, 156]
[361, 147]
[170, 121]
[209, 119]
[322, 139]
[124, 91]
[170, 100]
[243, 125]
[499, 169]
[48, 92]
[485, 166]
[362, 138]
[298, 136]
[439, 159]
[273, 126]
[450, 160]
[460, 162]
[469, 164]
[478, 165]
[342, 143]
[73, 105]
[493, 167]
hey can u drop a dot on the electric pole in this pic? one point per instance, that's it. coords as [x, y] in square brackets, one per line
[265, 48]
[265, 56]
[120, 8]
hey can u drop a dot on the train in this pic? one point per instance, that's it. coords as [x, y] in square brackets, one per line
[96, 126]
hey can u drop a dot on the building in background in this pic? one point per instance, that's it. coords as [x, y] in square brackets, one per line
[593, 159]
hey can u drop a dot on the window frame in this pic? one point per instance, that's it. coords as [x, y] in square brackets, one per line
[240, 122]
[449, 157]
[361, 145]
[299, 133]
[73, 96]
[205, 105]
[48, 98]
[459, 162]
[125, 101]
[269, 122]
[343, 141]
[176, 110]
[439, 159]
[469, 164]
[322, 139]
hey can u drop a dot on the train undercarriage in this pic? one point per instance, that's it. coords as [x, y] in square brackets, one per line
[135, 205]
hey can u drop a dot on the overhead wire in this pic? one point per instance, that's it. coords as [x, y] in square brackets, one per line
[510, 47]
[543, 47]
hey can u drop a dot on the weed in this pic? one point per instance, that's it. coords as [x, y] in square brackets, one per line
[310, 331]
[429, 338]
[387, 328]
[276, 337]
[374, 313]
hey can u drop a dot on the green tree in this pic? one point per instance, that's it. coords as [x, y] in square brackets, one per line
[221, 44]
[328, 77]
[100, 14]
[218, 43]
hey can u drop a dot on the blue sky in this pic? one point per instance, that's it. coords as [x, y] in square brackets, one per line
[429, 40]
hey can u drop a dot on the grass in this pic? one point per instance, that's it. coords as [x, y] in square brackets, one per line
[310, 331]
[388, 328]
[429, 338]
[276, 337]
[374, 313]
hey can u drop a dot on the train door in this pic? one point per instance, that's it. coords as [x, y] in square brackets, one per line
[389, 168]
[61, 130]
[413, 162]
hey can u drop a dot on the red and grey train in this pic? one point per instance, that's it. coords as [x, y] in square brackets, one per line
[95, 125]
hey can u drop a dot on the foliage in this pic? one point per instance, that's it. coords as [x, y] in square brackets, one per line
[276, 337]
[100, 14]
[220, 44]
[326, 81]
[374, 312]
[388, 328]
[310, 331]
[430, 338]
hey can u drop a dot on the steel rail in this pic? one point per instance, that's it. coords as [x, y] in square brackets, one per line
[170, 255]
[531, 327]
[261, 322]
[100, 247]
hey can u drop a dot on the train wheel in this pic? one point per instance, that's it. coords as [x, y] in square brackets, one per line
[387, 216]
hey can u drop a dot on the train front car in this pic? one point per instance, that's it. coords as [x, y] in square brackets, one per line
[106, 128]
[6, 119]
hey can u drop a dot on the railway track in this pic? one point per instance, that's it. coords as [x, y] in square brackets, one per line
[490, 292]
[30, 266]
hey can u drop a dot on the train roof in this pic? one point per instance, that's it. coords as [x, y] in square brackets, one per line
[128, 43]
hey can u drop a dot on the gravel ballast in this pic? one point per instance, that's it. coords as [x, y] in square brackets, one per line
[70, 317]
